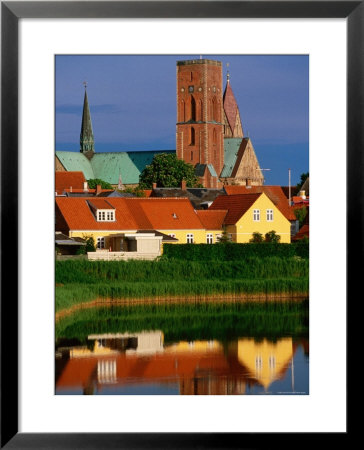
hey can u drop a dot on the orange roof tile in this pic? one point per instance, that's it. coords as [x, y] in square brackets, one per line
[212, 219]
[274, 193]
[64, 180]
[236, 205]
[100, 203]
[130, 213]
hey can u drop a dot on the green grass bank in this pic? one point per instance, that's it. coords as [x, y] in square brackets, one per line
[83, 281]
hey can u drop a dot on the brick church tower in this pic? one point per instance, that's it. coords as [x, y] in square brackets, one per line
[200, 128]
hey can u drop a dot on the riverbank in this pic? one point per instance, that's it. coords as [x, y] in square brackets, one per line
[85, 282]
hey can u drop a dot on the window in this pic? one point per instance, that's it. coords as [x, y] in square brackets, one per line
[100, 242]
[193, 109]
[209, 238]
[256, 215]
[269, 215]
[106, 216]
[192, 136]
[189, 238]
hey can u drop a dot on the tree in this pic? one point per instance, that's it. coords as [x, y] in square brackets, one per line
[257, 237]
[224, 238]
[137, 191]
[95, 181]
[272, 236]
[168, 171]
[90, 243]
[304, 177]
[300, 214]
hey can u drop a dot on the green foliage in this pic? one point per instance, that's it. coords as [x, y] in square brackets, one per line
[300, 214]
[272, 237]
[257, 237]
[90, 243]
[224, 238]
[137, 191]
[80, 281]
[236, 252]
[96, 272]
[168, 171]
[304, 177]
[92, 183]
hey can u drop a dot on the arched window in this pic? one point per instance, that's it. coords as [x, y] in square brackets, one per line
[192, 137]
[191, 76]
[193, 109]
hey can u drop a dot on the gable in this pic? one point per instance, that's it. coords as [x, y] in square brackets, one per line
[75, 162]
[247, 165]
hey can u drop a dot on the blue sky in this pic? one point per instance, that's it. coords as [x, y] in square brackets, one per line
[133, 104]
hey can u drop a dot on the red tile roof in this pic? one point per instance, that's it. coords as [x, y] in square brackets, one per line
[274, 193]
[100, 203]
[236, 205]
[212, 219]
[66, 180]
[131, 214]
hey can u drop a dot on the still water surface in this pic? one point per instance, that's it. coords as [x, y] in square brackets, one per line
[155, 361]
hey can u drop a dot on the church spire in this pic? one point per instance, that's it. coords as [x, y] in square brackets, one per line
[86, 136]
[232, 120]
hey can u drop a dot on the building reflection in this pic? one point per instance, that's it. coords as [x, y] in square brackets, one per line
[197, 367]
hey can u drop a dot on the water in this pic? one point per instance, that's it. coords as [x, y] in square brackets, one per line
[93, 358]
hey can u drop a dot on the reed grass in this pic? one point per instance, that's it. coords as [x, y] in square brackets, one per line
[94, 272]
[73, 294]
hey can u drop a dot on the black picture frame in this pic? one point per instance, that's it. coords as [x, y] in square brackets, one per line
[11, 12]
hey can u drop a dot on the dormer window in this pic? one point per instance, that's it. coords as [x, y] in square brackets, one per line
[102, 210]
[105, 215]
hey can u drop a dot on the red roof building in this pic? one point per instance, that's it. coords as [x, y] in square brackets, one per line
[274, 193]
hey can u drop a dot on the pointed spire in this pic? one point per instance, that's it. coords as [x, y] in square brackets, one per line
[231, 111]
[86, 136]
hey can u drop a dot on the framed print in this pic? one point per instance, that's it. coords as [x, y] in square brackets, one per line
[40, 40]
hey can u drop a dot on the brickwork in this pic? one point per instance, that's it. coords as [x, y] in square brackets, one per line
[199, 138]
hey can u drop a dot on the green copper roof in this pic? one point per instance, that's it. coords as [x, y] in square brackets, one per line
[231, 148]
[108, 166]
[76, 161]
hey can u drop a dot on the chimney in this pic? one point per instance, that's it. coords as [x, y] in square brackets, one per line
[183, 185]
[85, 186]
[154, 186]
[302, 194]
[98, 189]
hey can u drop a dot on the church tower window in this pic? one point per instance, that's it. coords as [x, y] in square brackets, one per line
[192, 137]
[193, 109]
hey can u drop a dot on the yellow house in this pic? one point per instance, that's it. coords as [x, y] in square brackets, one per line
[130, 224]
[250, 213]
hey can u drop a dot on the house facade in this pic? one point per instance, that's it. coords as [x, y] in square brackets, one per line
[130, 224]
[251, 213]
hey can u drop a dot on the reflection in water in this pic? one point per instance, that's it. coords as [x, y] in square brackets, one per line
[142, 363]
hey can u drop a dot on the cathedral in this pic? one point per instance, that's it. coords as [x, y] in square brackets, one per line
[209, 136]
